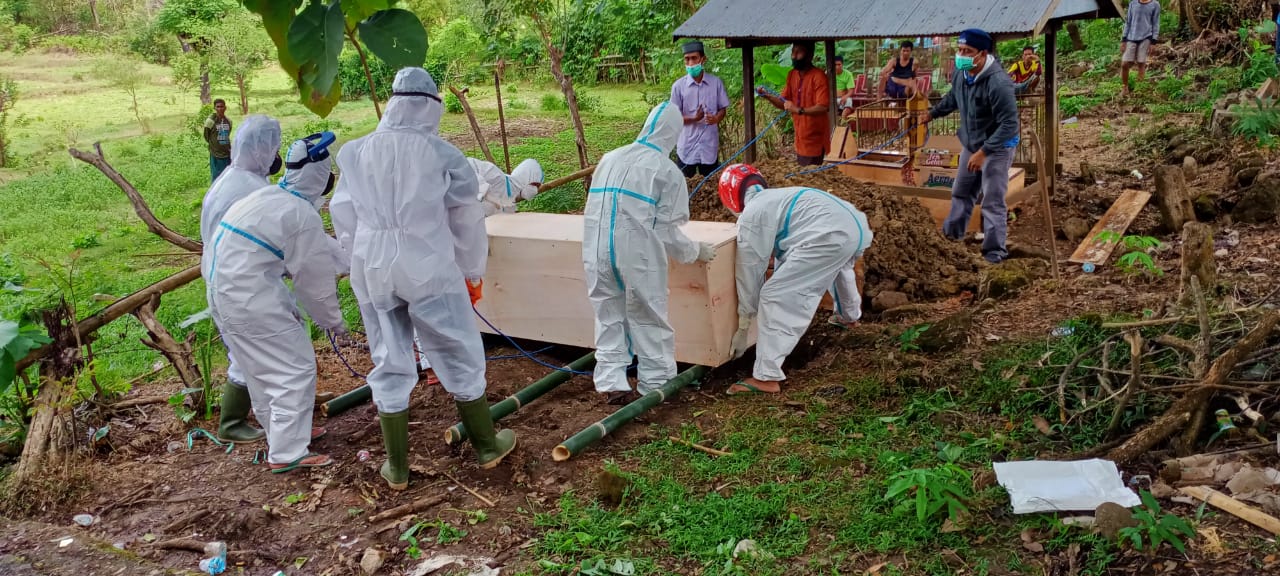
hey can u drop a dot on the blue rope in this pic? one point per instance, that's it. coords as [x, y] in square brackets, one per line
[900, 136]
[523, 352]
[338, 350]
[739, 152]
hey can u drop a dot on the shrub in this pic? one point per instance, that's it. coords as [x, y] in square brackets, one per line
[23, 38]
[75, 44]
[553, 103]
[154, 45]
[354, 83]
[452, 104]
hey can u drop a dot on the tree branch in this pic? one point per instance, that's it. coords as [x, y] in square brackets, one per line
[140, 207]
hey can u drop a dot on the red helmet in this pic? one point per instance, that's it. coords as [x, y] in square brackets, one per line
[733, 184]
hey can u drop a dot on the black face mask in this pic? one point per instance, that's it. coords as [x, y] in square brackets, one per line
[801, 65]
[328, 187]
[276, 165]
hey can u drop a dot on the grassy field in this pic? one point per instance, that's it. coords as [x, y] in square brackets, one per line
[65, 229]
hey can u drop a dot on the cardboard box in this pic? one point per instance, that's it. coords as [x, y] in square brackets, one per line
[535, 286]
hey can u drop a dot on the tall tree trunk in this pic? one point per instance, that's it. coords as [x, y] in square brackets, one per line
[1073, 32]
[47, 441]
[206, 93]
[570, 95]
[244, 94]
[93, 8]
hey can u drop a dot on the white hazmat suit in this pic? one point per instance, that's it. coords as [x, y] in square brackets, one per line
[636, 205]
[253, 149]
[407, 210]
[814, 239]
[276, 231]
[500, 192]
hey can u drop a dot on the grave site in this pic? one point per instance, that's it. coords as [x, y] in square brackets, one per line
[1106, 400]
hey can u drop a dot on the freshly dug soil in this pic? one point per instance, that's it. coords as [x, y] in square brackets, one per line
[909, 253]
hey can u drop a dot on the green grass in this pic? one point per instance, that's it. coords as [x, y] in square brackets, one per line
[808, 484]
[55, 211]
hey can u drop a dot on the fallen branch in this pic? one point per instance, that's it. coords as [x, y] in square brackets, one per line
[699, 447]
[139, 401]
[117, 309]
[1066, 375]
[1200, 365]
[139, 204]
[1135, 381]
[469, 490]
[1234, 507]
[1180, 413]
[414, 507]
[475, 126]
[1172, 319]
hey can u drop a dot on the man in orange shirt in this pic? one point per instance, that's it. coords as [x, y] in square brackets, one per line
[806, 98]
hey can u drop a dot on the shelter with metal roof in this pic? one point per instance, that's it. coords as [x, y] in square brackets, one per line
[746, 24]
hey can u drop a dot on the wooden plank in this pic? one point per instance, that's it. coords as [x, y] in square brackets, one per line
[1117, 219]
[1234, 507]
[535, 286]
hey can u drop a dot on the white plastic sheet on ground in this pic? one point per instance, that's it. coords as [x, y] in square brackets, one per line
[1047, 486]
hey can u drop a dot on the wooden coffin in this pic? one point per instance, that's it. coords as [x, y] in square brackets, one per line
[535, 287]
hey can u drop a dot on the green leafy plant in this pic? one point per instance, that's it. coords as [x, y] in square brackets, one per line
[1155, 528]
[16, 342]
[446, 533]
[907, 340]
[295, 498]
[934, 490]
[411, 536]
[309, 42]
[1258, 123]
[1135, 260]
[178, 401]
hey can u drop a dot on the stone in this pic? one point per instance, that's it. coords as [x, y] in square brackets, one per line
[1190, 168]
[749, 549]
[1075, 229]
[1245, 177]
[950, 333]
[889, 300]
[1206, 206]
[1260, 203]
[1007, 278]
[371, 561]
[1025, 251]
[1110, 518]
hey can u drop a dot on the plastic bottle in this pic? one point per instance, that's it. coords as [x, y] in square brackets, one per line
[1088, 268]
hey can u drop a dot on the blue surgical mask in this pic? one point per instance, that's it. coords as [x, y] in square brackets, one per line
[695, 70]
[964, 63]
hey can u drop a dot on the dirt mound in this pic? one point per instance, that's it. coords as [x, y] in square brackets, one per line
[908, 255]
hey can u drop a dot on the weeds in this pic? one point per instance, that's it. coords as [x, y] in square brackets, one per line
[934, 490]
[1258, 123]
[1136, 260]
[1155, 528]
[907, 340]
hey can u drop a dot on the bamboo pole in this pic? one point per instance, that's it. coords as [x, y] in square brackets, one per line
[558, 182]
[576, 443]
[347, 401]
[502, 120]
[475, 126]
[457, 433]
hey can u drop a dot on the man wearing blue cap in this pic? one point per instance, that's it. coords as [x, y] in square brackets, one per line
[988, 134]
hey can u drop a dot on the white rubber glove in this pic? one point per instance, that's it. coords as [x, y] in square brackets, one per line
[706, 252]
[738, 346]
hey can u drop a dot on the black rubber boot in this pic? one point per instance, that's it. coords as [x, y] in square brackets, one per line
[233, 424]
[395, 438]
[490, 447]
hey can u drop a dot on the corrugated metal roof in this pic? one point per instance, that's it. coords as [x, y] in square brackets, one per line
[1075, 9]
[825, 19]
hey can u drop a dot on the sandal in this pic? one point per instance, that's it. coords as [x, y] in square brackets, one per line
[837, 322]
[318, 432]
[322, 461]
[750, 389]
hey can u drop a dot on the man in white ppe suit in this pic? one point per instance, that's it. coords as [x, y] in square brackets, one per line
[411, 211]
[255, 154]
[274, 232]
[814, 240]
[499, 193]
[636, 205]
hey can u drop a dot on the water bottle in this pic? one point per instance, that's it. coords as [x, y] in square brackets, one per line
[1088, 267]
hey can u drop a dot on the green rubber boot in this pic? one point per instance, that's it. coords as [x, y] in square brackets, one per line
[395, 437]
[233, 425]
[490, 448]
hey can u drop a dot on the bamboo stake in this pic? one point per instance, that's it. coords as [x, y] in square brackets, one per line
[502, 120]
[457, 433]
[699, 447]
[1234, 507]
[478, 495]
[475, 126]
[1042, 170]
[576, 443]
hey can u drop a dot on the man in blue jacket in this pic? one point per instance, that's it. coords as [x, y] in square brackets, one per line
[983, 94]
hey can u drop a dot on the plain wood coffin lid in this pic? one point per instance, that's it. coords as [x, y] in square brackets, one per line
[535, 287]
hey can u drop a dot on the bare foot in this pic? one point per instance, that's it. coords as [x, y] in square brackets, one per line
[753, 386]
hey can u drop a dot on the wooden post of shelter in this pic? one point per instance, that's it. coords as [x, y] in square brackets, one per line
[829, 46]
[1051, 109]
[749, 100]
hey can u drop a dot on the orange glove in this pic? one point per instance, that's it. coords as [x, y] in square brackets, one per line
[475, 289]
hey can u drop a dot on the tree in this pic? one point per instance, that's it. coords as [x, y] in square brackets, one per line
[309, 42]
[8, 96]
[194, 22]
[237, 51]
[128, 75]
